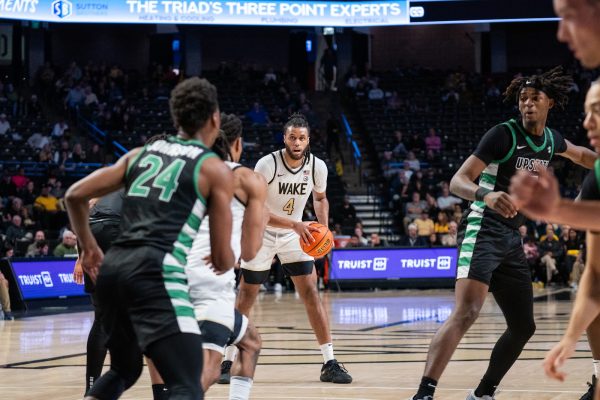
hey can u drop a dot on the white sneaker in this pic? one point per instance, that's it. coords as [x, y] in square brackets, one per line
[263, 288]
[278, 288]
[472, 396]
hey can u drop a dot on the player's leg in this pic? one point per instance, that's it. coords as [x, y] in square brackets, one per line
[96, 347]
[249, 349]
[159, 389]
[480, 252]
[593, 336]
[254, 273]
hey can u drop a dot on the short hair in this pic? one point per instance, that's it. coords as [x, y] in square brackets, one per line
[231, 129]
[192, 103]
[554, 83]
[412, 226]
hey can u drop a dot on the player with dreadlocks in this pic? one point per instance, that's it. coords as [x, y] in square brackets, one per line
[292, 174]
[491, 256]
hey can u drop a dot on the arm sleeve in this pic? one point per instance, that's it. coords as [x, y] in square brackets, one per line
[494, 145]
[320, 176]
[560, 145]
[266, 167]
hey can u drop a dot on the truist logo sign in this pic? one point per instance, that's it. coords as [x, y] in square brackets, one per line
[394, 263]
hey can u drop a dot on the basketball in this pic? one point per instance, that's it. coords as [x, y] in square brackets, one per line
[322, 244]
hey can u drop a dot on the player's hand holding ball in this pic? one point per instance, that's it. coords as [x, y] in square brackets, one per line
[321, 240]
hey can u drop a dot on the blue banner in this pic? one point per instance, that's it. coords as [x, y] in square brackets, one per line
[46, 278]
[364, 264]
[217, 12]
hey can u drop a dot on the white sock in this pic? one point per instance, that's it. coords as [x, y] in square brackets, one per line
[239, 388]
[327, 352]
[230, 353]
[596, 367]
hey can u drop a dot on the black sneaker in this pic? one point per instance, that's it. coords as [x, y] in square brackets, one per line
[332, 371]
[8, 316]
[225, 373]
[421, 398]
[589, 395]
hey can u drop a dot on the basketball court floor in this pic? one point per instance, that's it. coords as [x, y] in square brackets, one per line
[381, 337]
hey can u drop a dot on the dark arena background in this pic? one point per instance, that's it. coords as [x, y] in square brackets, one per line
[397, 94]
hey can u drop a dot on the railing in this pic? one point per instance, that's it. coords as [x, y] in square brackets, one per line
[100, 137]
[355, 150]
[35, 168]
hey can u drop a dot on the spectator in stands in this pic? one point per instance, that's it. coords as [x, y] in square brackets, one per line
[523, 232]
[333, 136]
[432, 207]
[412, 239]
[16, 207]
[8, 251]
[414, 209]
[446, 201]
[441, 224]
[38, 140]
[433, 142]
[7, 187]
[551, 251]
[45, 155]
[40, 236]
[5, 298]
[434, 240]
[57, 190]
[257, 115]
[449, 239]
[68, 245]
[59, 128]
[45, 202]
[376, 93]
[353, 242]
[425, 225]
[416, 143]
[412, 161]
[376, 241]
[75, 97]
[34, 107]
[353, 82]
[399, 150]
[358, 232]
[4, 125]
[15, 231]
[27, 194]
[95, 155]
[90, 100]
[458, 213]
[574, 246]
[19, 179]
[269, 77]
[77, 155]
[348, 213]
[62, 154]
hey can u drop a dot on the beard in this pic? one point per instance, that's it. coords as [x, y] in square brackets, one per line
[293, 155]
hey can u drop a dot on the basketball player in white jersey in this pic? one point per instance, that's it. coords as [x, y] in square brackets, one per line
[213, 294]
[293, 174]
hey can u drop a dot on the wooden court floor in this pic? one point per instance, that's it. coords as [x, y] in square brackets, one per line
[381, 337]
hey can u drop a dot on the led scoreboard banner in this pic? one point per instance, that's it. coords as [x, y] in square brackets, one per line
[277, 13]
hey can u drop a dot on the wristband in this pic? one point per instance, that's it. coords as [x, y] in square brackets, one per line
[481, 193]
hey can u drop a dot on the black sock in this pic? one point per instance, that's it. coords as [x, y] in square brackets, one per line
[160, 392]
[426, 388]
[485, 388]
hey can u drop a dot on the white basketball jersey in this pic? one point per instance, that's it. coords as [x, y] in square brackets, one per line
[204, 284]
[289, 188]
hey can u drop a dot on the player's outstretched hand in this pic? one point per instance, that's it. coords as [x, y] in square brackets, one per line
[304, 229]
[502, 203]
[557, 357]
[536, 196]
[91, 259]
[78, 272]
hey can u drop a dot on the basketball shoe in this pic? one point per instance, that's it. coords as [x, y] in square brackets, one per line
[589, 395]
[333, 372]
[472, 396]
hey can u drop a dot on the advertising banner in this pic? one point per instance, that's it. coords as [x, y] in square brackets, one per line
[46, 278]
[365, 264]
[218, 12]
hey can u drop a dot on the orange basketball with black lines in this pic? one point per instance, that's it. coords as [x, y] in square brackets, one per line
[322, 244]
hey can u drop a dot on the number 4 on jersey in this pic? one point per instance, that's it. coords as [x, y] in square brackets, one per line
[289, 206]
[167, 180]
